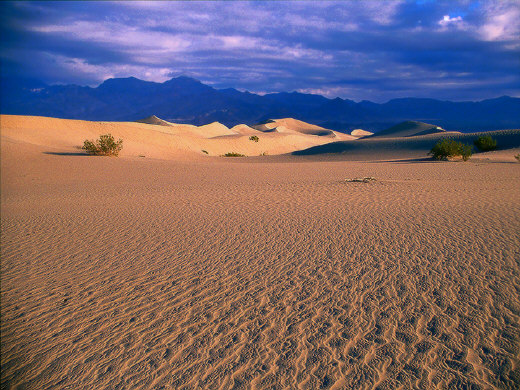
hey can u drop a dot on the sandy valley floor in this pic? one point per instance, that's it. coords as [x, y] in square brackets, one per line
[259, 273]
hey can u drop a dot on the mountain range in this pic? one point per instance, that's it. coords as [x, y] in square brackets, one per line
[186, 100]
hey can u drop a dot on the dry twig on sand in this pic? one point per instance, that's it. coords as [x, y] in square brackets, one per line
[361, 180]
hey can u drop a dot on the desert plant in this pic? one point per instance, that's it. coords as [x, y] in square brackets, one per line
[485, 143]
[466, 151]
[233, 154]
[106, 145]
[517, 157]
[253, 138]
[446, 148]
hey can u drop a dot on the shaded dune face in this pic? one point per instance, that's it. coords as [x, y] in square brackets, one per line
[381, 148]
[409, 129]
[206, 273]
[153, 120]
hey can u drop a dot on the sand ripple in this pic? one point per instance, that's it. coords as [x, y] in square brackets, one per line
[170, 275]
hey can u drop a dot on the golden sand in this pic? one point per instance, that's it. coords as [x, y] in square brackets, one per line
[254, 273]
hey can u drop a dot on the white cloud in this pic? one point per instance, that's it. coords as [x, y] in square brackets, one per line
[501, 21]
[269, 45]
[332, 92]
[118, 34]
[382, 12]
[447, 20]
[103, 72]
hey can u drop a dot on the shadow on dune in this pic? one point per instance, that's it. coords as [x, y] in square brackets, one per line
[410, 160]
[66, 153]
[401, 147]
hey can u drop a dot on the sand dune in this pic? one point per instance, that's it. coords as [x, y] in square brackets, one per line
[409, 129]
[175, 141]
[406, 147]
[215, 129]
[254, 273]
[245, 130]
[294, 126]
[360, 133]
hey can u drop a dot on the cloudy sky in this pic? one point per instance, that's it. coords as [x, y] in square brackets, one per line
[374, 50]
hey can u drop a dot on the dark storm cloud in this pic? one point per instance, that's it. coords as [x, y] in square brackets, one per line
[373, 50]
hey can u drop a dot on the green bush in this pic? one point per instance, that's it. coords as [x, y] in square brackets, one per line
[253, 138]
[106, 145]
[517, 157]
[466, 151]
[485, 143]
[450, 148]
[233, 154]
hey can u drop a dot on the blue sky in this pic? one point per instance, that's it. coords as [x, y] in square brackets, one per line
[373, 50]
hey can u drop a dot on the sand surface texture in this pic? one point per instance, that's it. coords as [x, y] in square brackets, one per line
[257, 273]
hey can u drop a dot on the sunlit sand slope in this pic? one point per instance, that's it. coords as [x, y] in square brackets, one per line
[360, 133]
[171, 141]
[295, 126]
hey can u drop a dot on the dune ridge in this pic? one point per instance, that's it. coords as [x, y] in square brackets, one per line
[291, 125]
[373, 147]
[360, 133]
[172, 141]
[409, 129]
[154, 120]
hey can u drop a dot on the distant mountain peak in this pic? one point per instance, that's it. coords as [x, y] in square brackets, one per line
[124, 82]
[185, 79]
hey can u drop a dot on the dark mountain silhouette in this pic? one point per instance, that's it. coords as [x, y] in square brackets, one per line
[186, 100]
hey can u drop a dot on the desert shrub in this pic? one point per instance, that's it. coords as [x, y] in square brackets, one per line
[517, 157]
[233, 154]
[253, 138]
[485, 143]
[106, 145]
[466, 151]
[446, 148]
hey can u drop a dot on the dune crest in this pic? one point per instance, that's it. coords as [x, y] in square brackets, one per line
[154, 120]
[291, 125]
[360, 133]
[245, 130]
[215, 129]
[409, 129]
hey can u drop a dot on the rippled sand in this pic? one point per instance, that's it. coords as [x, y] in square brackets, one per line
[257, 273]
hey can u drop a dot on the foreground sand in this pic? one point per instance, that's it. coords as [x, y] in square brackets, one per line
[257, 273]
